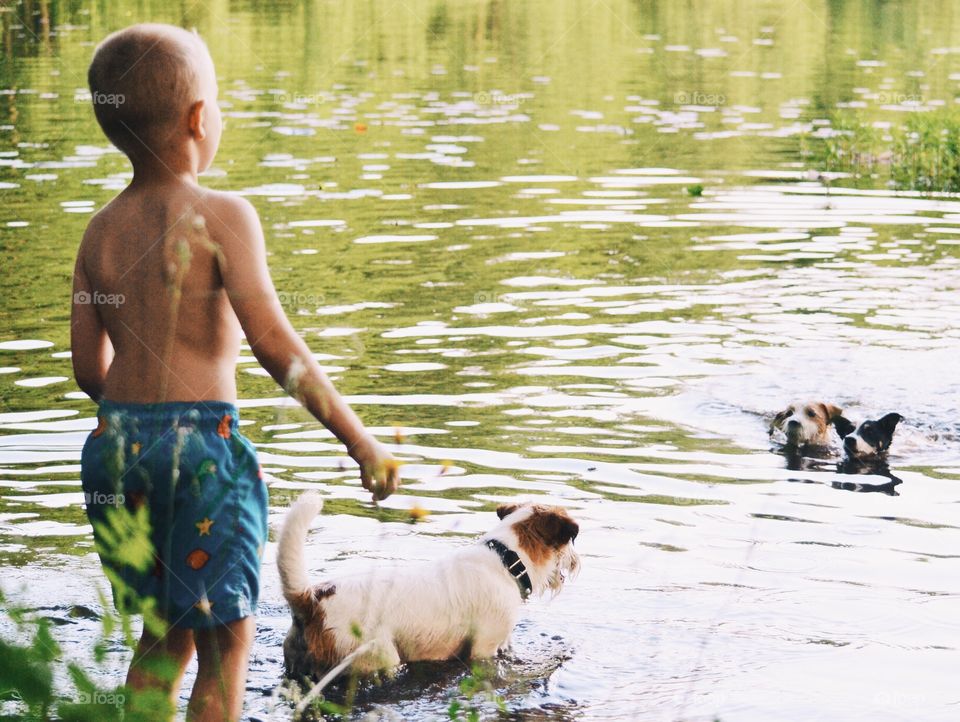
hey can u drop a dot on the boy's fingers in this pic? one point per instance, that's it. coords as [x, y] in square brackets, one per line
[381, 481]
[365, 477]
[390, 482]
[372, 483]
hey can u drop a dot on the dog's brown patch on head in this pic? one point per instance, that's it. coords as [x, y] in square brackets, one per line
[814, 412]
[505, 510]
[818, 413]
[309, 649]
[547, 529]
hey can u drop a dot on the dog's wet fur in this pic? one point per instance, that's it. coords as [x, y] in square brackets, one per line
[871, 439]
[463, 605]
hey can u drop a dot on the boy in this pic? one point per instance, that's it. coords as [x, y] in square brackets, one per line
[185, 270]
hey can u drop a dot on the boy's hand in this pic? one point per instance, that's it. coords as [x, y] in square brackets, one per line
[379, 471]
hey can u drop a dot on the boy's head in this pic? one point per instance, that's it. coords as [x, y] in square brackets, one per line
[153, 88]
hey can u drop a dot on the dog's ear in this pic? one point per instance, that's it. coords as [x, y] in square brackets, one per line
[555, 528]
[844, 426]
[505, 510]
[831, 412]
[568, 530]
[889, 423]
[779, 419]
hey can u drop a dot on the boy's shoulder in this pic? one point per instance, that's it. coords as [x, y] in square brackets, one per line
[226, 214]
[98, 224]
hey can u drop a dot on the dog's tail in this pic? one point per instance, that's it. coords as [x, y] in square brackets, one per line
[293, 569]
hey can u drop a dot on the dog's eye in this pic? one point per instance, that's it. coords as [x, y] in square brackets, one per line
[811, 413]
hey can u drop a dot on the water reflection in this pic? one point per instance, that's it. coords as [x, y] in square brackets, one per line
[586, 283]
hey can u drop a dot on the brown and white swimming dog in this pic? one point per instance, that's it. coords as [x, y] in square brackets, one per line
[462, 605]
[808, 424]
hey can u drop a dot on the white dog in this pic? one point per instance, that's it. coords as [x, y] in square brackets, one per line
[463, 605]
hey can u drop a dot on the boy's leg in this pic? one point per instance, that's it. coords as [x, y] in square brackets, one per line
[159, 662]
[222, 656]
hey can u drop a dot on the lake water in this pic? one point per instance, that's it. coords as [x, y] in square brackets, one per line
[485, 219]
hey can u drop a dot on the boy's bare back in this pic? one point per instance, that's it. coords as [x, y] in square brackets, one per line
[154, 252]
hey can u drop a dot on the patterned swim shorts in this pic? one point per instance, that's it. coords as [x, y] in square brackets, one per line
[179, 510]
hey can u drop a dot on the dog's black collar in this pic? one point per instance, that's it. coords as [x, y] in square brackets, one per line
[511, 560]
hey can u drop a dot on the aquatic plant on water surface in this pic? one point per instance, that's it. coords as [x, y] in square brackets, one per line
[922, 154]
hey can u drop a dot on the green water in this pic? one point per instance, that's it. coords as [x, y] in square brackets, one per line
[483, 218]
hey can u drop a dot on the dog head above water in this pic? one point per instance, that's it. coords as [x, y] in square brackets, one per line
[545, 535]
[808, 424]
[872, 438]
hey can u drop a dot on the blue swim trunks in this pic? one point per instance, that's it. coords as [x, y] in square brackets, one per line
[179, 510]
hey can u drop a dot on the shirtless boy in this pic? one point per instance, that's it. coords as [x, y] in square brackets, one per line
[189, 265]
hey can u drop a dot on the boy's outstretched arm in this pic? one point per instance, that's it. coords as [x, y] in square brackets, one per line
[280, 350]
[90, 347]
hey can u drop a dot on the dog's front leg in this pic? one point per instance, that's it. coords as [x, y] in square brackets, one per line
[379, 655]
[485, 646]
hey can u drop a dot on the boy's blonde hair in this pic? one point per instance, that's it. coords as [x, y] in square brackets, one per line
[142, 79]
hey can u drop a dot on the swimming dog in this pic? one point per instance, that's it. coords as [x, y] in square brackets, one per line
[870, 441]
[808, 424]
[463, 605]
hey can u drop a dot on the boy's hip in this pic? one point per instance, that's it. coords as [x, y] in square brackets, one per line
[207, 416]
[200, 483]
[174, 455]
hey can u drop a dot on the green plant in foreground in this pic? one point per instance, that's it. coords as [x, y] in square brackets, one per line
[475, 685]
[32, 662]
[28, 672]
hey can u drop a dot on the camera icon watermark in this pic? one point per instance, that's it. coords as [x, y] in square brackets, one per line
[700, 98]
[897, 698]
[114, 99]
[284, 498]
[296, 299]
[284, 97]
[98, 498]
[495, 97]
[113, 699]
[888, 98]
[85, 298]
[486, 297]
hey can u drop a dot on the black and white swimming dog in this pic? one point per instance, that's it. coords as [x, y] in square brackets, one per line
[865, 452]
[870, 441]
